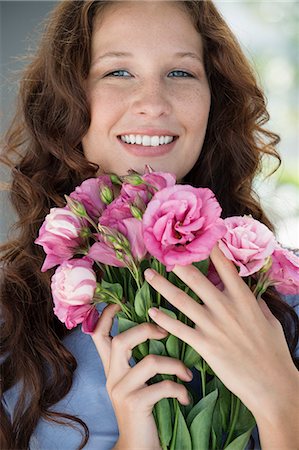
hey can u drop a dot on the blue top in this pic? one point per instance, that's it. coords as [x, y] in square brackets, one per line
[87, 399]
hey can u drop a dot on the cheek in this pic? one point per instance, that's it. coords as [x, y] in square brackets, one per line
[195, 106]
[105, 104]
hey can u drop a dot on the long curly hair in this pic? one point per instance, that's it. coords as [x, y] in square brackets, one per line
[43, 151]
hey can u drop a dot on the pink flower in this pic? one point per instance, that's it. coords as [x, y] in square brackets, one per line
[59, 236]
[182, 224]
[118, 217]
[157, 180]
[247, 242]
[73, 287]
[284, 271]
[104, 252]
[88, 193]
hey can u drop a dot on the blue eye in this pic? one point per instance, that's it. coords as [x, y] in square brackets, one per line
[118, 74]
[181, 74]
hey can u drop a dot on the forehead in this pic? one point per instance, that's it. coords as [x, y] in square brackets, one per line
[139, 23]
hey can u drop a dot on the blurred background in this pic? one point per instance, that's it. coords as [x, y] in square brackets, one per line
[268, 33]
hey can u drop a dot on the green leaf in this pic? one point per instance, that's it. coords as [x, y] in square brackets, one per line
[124, 324]
[131, 294]
[143, 348]
[142, 300]
[191, 357]
[245, 420]
[115, 288]
[156, 347]
[205, 402]
[162, 414]
[203, 266]
[221, 414]
[168, 312]
[241, 441]
[200, 428]
[173, 346]
[182, 438]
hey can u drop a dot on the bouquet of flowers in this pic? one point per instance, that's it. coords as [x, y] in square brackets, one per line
[112, 229]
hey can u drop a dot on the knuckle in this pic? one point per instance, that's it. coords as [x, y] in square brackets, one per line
[147, 328]
[179, 298]
[168, 385]
[151, 360]
[118, 341]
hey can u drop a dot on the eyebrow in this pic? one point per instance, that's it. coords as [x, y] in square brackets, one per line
[127, 54]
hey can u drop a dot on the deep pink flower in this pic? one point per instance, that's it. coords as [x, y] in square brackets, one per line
[284, 271]
[88, 193]
[118, 217]
[247, 242]
[104, 252]
[59, 236]
[73, 288]
[182, 224]
[157, 180]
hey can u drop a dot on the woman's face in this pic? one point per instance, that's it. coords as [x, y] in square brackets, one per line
[147, 86]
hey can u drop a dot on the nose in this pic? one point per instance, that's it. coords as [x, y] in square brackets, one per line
[151, 99]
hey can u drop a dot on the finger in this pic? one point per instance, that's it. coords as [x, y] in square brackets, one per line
[150, 395]
[101, 335]
[200, 284]
[227, 272]
[123, 344]
[152, 365]
[174, 326]
[174, 295]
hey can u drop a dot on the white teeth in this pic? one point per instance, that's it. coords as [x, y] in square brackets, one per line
[132, 139]
[147, 141]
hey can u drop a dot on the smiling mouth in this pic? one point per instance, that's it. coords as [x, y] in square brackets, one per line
[147, 141]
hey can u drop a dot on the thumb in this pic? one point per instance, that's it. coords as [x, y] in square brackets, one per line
[101, 335]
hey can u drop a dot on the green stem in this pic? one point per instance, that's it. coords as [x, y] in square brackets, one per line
[91, 222]
[233, 421]
[175, 427]
[203, 379]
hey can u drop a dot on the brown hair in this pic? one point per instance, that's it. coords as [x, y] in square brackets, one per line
[44, 152]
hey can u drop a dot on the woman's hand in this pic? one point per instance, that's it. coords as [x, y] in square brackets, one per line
[133, 400]
[237, 335]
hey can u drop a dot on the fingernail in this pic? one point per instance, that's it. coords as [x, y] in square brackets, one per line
[152, 312]
[149, 274]
[190, 374]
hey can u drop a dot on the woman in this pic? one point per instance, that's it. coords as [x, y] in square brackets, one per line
[108, 74]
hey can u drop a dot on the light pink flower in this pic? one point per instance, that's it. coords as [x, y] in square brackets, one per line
[247, 242]
[59, 236]
[284, 271]
[182, 224]
[73, 287]
[88, 193]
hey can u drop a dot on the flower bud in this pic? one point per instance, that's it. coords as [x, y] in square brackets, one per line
[136, 212]
[133, 179]
[267, 265]
[115, 179]
[106, 195]
[76, 207]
